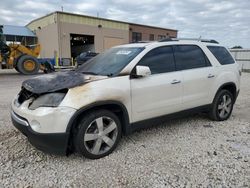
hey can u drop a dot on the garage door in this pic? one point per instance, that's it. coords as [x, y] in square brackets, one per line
[111, 41]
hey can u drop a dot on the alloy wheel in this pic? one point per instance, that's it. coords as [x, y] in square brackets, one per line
[224, 106]
[100, 136]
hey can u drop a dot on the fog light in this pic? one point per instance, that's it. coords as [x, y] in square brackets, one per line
[35, 125]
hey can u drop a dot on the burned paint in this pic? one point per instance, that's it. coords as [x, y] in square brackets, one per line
[56, 81]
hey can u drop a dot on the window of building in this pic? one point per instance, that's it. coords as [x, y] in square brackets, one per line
[151, 37]
[189, 57]
[136, 36]
[159, 60]
[221, 54]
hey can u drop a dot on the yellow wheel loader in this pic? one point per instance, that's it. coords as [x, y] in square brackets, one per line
[22, 58]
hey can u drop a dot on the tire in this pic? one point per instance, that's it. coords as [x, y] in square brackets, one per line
[97, 134]
[222, 106]
[28, 65]
[17, 69]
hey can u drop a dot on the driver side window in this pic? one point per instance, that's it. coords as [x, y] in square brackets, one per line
[159, 60]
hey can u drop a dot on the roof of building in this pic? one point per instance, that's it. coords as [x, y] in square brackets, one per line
[17, 31]
[74, 14]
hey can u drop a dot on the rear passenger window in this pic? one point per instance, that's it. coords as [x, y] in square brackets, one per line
[159, 60]
[189, 57]
[221, 54]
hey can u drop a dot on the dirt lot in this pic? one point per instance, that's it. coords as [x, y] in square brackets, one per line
[189, 152]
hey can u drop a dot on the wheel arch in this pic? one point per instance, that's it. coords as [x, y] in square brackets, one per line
[230, 86]
[114, 106]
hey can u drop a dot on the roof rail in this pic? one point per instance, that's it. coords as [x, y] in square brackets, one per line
[144, 41]
[194, 39]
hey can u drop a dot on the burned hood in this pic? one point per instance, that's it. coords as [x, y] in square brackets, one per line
[58, 81]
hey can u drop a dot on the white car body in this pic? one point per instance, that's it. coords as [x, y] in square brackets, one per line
[144, 98]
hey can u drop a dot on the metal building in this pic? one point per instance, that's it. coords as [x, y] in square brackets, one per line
[242, 56]
[18, 34]
[66, 35]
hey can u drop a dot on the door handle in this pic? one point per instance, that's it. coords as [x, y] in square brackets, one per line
[210, 76]
[175, 82]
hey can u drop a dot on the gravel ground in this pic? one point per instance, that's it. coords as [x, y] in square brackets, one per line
[188, 152]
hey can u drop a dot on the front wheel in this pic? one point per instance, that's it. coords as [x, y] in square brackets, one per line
[222, 106]
[97, 134]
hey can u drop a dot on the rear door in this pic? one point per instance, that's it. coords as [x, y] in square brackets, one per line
[197, 72]
[159, 93]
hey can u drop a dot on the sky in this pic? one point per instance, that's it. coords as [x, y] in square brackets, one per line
[225, 21]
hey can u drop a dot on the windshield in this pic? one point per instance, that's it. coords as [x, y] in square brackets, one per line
[111, 62]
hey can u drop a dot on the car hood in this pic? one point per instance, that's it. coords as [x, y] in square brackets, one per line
[58, 81]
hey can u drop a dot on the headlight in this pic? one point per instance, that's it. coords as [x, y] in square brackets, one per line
[47, 100]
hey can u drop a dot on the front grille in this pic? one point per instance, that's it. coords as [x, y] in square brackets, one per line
[24, 95]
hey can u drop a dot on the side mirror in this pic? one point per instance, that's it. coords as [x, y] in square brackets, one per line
[142, 71]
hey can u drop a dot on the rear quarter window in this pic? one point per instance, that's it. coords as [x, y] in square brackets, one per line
[221, 54]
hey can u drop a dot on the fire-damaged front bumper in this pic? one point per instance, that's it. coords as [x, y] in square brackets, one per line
[44, 127]
[55, 143]
[42, 116]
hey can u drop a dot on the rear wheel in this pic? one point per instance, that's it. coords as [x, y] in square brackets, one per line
[222, 106]
[97, 134]
[28, 65]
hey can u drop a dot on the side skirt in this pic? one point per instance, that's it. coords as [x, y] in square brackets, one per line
[161, 119]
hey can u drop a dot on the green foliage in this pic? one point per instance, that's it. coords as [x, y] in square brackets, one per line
[237, 47]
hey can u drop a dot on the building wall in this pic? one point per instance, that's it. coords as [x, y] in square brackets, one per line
[46, 30]
[109, 42]
[53, 32]
[84, 25]
[92, 21]
[42, 22]
[146, 31]
[100, 34]
[48, 39]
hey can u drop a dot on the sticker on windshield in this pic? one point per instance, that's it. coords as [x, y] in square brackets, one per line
[123, 52]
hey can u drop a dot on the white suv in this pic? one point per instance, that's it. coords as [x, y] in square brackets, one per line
[127, 87]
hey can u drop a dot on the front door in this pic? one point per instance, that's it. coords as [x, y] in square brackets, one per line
[159, 93]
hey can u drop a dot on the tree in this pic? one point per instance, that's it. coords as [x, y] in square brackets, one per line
[237, 47]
